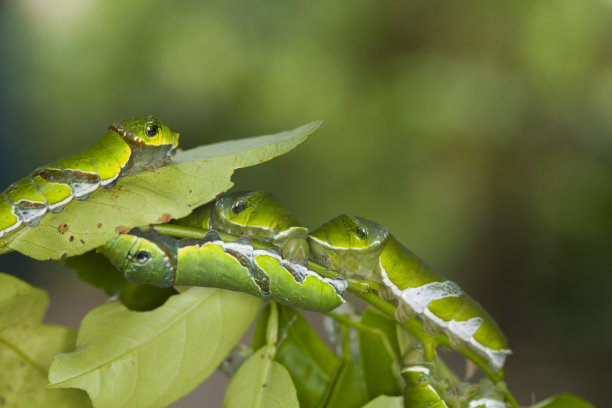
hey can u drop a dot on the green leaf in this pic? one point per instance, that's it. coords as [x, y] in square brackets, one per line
[193, 178]
[27, 348]
[310, 362]
[150, 359]
[564, 401]
[380, 358]
[96, 270]
[348, 388]
[384, 401]
[261, 382]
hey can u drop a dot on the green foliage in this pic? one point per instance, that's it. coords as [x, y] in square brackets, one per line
[154, 346]
[380, 355]
[149, 359]
[193, 178]
[564, 401]
[261, 381]
[384, 401]
[27, 348]
[311, 364]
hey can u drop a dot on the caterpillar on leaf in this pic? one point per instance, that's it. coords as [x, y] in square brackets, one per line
[127, 147]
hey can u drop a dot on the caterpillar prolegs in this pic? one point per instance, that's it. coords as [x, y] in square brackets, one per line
[127, 147]
[354, 245]
[150, 258]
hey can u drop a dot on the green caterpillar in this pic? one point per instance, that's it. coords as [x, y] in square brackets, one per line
[353, 245]
[424, 390]
[150, 258]
[421, 389]
[127, 147]
[257, 215]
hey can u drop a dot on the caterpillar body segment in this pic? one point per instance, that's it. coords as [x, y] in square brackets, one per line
[127, 147]
[147, 257]
[257, 215]
[353, 245]
[421, 388]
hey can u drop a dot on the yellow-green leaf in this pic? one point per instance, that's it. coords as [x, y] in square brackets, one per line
[564, 400]
[27, 348]
[150, 359]
[261, 383]
[385, 401]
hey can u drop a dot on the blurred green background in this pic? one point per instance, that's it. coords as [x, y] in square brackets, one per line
[479, 132]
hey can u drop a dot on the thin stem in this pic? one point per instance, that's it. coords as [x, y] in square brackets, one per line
[272, 328]
[180, 231]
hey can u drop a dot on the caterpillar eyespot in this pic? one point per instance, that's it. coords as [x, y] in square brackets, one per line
[227, 264]
[419, 292]
[127, 147]
[238, 207]
[152, 129]
[361, 232]
[142, 256]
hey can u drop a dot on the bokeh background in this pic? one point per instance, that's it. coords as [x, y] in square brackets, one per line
[479, 132]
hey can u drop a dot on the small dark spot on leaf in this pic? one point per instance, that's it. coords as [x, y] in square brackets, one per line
[9, 387]
[122, 230]
[264, 385]
[2, 401]
[63, 227]
[190, 191]
[82, 242]
[165, 218]
[100, 225]
[71, 238]
[22, 363]
[63, 256]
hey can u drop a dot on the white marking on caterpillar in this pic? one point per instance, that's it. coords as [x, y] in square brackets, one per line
[416, 300]
[29, 216]
[287, 233]
[418, 369]
[57, 207]
[16, 225]
[487, 403]
[246, 250]
[329, 245]
[419, 298]
[112, 179]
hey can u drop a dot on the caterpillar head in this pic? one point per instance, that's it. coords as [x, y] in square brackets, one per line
[144, 257]
[147, 131]
[261, 212]
[349, 244]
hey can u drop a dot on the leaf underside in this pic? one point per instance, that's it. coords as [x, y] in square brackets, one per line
[261, 382]
[126, 358]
